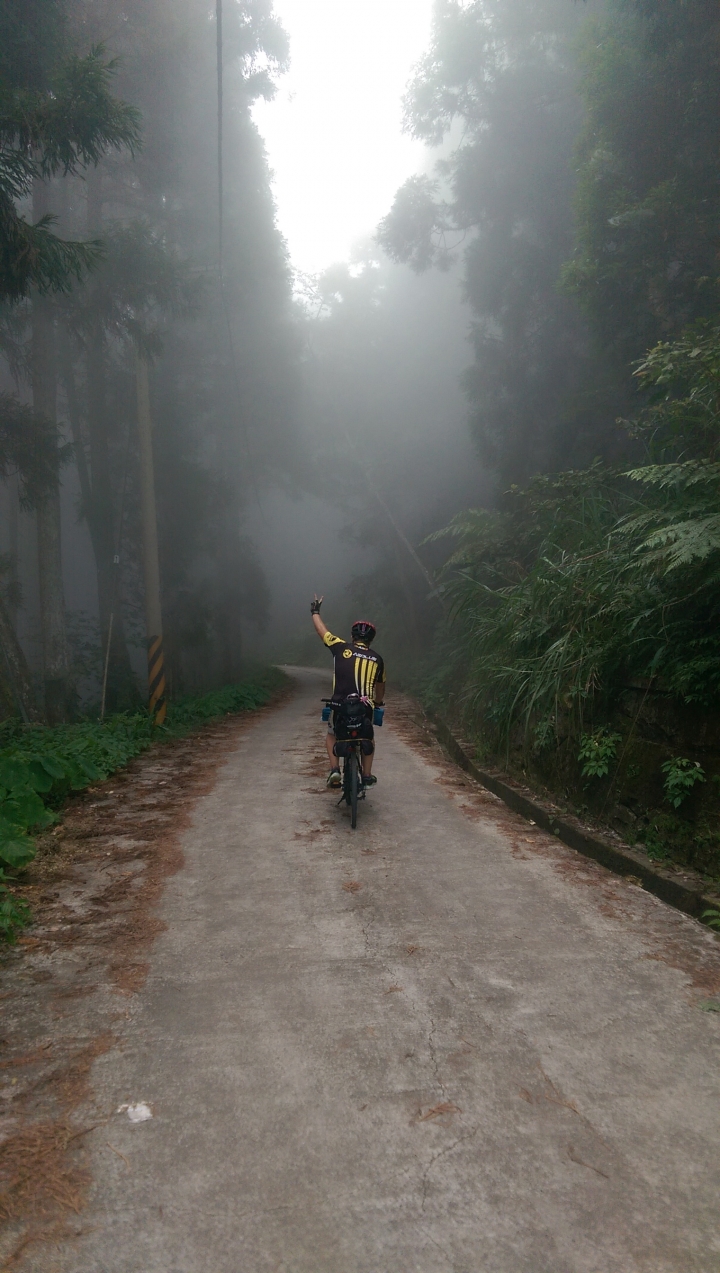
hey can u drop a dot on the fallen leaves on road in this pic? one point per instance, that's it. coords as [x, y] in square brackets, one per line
[37, 1180]
[93, 888]
[352, 886]
[581, 1163]
[675, 940]
[446, 1107]
[313, 832]
[117, 1151]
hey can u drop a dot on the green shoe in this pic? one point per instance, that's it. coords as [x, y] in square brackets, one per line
[369, 780]
[334, 779]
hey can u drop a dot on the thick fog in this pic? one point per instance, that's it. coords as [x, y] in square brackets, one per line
[384, 419]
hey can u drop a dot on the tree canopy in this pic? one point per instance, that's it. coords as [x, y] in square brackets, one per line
[57, 115]
[498, 88]
[646, 261]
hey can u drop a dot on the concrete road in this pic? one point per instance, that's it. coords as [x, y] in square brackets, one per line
[440, 1044]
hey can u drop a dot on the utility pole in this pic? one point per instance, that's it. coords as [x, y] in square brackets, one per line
[153, 610]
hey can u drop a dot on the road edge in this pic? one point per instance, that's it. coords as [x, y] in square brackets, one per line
[112, 943]
[682, 888]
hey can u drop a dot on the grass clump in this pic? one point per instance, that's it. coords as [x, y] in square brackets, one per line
[681, 775]
[597, 751]
[41, 765]
[14, 912]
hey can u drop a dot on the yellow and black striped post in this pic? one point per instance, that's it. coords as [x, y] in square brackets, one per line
[156, 680]
[151, 557]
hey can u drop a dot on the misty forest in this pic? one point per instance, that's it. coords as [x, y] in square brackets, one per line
[491, 432]
[495, 429]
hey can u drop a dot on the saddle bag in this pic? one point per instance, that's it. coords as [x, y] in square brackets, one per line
[353, 719]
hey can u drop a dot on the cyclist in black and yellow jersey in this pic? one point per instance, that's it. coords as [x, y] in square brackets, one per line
[358, 670]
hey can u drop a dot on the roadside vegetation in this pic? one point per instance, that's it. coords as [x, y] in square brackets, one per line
[42, 765]
[108, 260]
[580, 644]
[583, 642]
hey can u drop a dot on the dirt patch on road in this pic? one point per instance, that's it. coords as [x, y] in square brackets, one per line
[66, 988]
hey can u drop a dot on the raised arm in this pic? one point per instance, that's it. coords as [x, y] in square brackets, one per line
[318, 624]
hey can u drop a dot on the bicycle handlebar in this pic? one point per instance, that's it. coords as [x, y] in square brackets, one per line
[334, 702]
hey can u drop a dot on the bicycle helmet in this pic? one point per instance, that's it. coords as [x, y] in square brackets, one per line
[363, 631]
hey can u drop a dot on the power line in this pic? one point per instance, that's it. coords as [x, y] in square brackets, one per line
[219, 37]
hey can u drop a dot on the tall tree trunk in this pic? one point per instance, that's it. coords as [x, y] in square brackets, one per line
[105, 535]
[100, 514]
[228, 606]
[56, 662]
[100, 505]
[17, 691]
[14, 547]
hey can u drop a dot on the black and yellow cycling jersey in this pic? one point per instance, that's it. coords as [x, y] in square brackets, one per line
[357, 668]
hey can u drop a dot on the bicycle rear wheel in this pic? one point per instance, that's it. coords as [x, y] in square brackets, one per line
[354, 787]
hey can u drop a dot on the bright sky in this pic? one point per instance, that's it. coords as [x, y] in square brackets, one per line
[333, 133]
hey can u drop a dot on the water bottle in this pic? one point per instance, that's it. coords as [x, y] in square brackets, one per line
[327, 709]
[378, 713]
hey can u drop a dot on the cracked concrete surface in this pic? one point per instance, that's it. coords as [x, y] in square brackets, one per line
[468, 1064]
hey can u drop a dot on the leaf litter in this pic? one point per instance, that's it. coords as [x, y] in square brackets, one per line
[93, 888]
